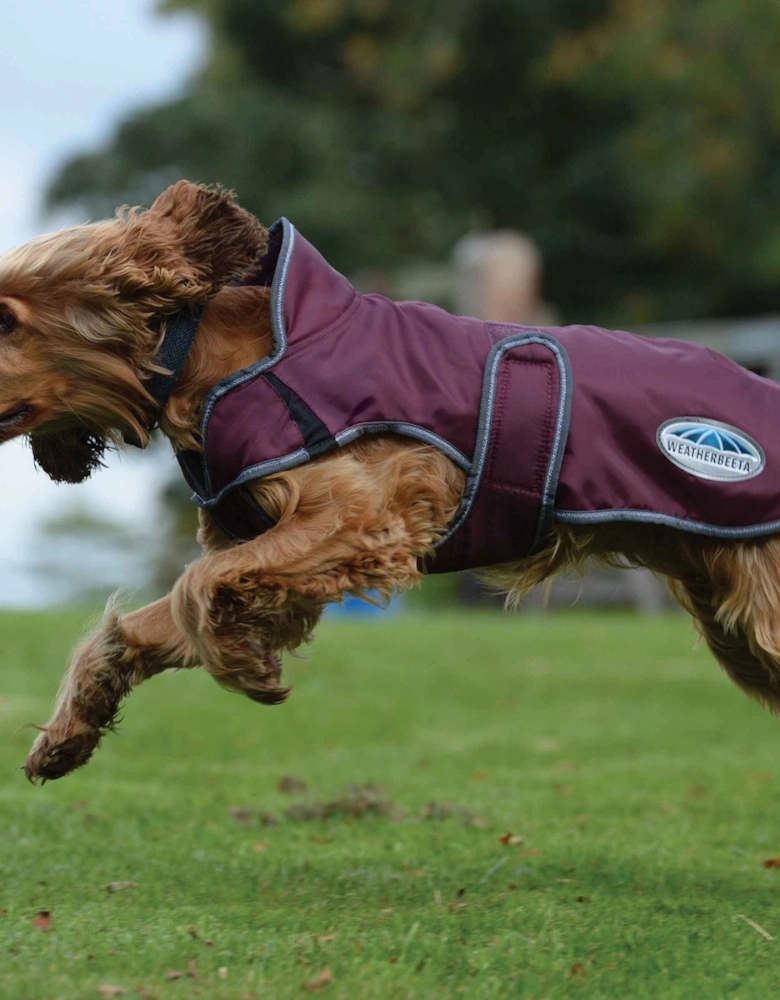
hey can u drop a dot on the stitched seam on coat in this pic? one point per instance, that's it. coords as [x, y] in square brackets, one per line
[546, 443]
[506, 488]
[339, 325]
[498, 413]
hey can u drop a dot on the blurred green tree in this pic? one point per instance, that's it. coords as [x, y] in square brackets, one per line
[699, 151]
[82, 556]
[635, 140]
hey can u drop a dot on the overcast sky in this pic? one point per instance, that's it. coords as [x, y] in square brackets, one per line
[71, 69]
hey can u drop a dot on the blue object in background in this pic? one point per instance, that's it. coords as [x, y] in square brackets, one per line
[353, 607]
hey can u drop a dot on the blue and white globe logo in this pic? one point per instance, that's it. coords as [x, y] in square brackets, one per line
[709, 449]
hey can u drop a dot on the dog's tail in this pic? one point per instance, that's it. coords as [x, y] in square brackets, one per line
[741, 629]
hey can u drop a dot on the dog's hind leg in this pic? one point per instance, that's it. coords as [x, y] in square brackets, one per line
[736, 604]
[122, 652]
[731, 588]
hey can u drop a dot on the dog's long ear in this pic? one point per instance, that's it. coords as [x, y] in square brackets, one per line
[216, 237]
[68, 456]
[179, 252]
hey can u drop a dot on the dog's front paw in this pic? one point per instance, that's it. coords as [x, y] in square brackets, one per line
[52, 757]
[269, 691]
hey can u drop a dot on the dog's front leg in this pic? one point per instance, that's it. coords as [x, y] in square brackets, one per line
[244, 605]
[122, 652]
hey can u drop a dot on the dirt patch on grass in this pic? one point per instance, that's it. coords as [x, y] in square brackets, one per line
[358, 801]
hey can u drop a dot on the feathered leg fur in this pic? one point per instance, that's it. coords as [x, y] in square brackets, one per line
[732, 589]
[124, 651]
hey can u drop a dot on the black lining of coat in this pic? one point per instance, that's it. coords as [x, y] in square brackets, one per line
[317, 439]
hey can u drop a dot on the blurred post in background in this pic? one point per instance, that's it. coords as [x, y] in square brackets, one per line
[498, 277]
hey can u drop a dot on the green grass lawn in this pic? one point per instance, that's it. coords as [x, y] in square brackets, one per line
[644, 787]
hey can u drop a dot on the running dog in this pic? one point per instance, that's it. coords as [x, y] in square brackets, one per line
[340, 443]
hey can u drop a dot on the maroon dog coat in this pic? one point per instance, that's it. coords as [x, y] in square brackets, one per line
[574, 424]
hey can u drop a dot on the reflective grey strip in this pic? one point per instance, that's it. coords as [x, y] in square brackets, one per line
[301, 455]
[280, 346]
[651, 517]
[409, 430]
[484, 428]
[255, 472]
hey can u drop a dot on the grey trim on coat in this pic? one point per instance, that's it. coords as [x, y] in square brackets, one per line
[485, 425]
[681, 523]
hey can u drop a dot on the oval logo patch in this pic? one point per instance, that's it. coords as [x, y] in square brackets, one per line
[709, 449]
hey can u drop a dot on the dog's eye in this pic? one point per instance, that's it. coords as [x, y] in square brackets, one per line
[7, 320]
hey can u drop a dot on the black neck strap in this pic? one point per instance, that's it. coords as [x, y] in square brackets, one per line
[180, 331]
[179, 337]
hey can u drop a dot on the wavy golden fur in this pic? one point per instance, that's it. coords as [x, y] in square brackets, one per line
[82, 315]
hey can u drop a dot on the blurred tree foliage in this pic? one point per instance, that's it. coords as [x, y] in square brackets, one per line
[636, 140]
[82, 556]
